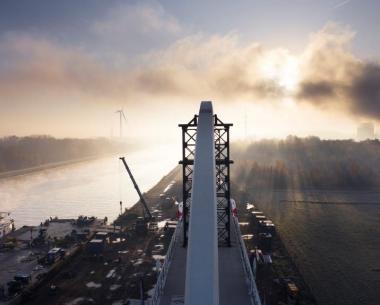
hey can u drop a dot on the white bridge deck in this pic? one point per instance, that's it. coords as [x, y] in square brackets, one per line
[233, 288]
[202, 273]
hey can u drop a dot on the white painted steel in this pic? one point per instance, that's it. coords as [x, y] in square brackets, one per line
[250, 279]
[161, 280]
[202, 278]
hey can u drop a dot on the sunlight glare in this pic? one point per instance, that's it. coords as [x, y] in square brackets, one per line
[282, 68]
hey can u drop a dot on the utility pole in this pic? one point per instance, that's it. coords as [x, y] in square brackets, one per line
[121, 126]
[245, 122]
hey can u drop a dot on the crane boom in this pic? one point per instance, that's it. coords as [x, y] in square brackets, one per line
[146, 209]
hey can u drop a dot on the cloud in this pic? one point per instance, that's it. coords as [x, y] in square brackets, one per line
[127, 30]
[364, 92]
[192, 68]
[326, 74]
[144, 18]
[316, 90]
[332, 76]
[35, 67]
[214, 66]
[341, 4]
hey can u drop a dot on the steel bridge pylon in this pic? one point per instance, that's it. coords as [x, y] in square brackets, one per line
[222, 169]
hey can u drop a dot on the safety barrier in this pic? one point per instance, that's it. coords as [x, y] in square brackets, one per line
[252, 288]
[161, 280]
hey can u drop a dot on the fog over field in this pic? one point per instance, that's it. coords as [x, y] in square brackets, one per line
[307, 163]
[335, 247]
[324, 198]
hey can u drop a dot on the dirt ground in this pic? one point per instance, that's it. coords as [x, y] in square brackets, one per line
[127, 262]
[114, 276]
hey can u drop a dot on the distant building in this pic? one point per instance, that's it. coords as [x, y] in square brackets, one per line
[365, 131]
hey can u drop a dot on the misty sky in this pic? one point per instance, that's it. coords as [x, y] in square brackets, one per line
[286, 67]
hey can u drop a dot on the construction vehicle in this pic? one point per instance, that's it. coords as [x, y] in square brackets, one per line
[147, 221]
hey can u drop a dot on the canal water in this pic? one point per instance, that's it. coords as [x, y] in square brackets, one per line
[92, 188]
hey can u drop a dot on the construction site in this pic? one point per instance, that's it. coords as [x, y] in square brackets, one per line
[143, 256]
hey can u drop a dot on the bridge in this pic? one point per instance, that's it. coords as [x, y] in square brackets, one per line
[207, 261]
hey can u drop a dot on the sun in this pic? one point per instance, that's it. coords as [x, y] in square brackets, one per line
[289, 74]
[282, 68]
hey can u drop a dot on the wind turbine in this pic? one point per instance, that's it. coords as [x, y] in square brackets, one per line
[122, 118]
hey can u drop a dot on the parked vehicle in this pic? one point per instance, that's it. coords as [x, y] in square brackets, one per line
[55, 254]
[23, 278]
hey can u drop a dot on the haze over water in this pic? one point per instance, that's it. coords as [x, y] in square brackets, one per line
[92, 188]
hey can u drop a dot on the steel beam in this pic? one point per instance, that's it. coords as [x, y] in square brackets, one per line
[202, 275]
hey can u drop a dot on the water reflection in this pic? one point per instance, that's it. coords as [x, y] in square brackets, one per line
[89, 188]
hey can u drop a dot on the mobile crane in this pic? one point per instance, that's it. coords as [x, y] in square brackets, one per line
[141, 226]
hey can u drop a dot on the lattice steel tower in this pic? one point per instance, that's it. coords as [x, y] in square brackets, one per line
[222, 164]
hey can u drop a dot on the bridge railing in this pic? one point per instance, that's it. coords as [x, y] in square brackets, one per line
[250, 279]
[161, 280]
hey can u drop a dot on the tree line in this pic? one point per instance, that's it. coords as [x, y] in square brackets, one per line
[25, 152]
[301, 163]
